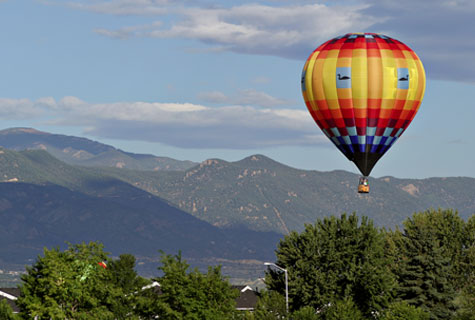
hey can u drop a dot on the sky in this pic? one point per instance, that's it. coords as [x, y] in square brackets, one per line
[201, 79]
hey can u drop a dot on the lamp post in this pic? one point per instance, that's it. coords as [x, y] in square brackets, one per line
[269, 264]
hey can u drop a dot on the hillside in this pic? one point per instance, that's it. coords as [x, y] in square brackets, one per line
[256, 193]
[264, 195]
[47, 202]
[231, 213]
[85, 152]
[124, 219]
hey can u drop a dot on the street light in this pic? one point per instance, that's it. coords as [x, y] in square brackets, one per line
[269, 264]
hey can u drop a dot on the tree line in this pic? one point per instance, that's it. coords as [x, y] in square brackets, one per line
[338, 268]
[346, 268]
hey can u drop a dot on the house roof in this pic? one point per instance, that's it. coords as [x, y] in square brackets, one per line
[247, 299]
[10, 293]
[154, 286]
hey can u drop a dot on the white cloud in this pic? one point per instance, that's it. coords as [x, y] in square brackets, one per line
[123, 7]
[253, 97]
[214, 97]
[440, 31]
[127, 32]
[77, 110]
[178, 124]
[259, 29]
[188, 125]
[15, 109]
[285, 31]
[47, 102]
[245, 97]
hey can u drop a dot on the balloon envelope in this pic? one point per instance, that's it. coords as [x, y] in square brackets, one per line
[363, 90]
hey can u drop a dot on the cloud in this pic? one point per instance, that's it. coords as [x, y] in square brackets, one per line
[182, 125]
[213, 97]
[291, 31]
[222, 136]
[17, 109]
[440, 31]
[123, 7]
[156, 7]
[122, 33]
[245, 97]
[286, 31]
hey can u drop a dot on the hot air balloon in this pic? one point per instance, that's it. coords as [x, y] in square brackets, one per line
[363, 90]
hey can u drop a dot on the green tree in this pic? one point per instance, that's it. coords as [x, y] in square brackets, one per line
[404, 311]
[431, 261]
[305, 313]
[270, 306]
[190, 294]
[466, 303]
[344, 309]
[123, 273]
[6, 312]
[69, 284]
[335, 259]
[466, 298]
[123, 276]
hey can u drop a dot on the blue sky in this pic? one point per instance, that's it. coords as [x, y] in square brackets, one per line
[221, 79]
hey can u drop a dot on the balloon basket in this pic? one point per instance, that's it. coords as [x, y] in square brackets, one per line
[363, 185]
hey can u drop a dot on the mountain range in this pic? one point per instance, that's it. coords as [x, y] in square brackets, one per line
[233, 213]
[85, 152]
[264, 195]
[45, 202]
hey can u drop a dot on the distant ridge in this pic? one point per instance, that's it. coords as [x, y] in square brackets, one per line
[45, 202]
[30, 138]
[85, 152]
[213, 211]
[265, 195]
[259, 193]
